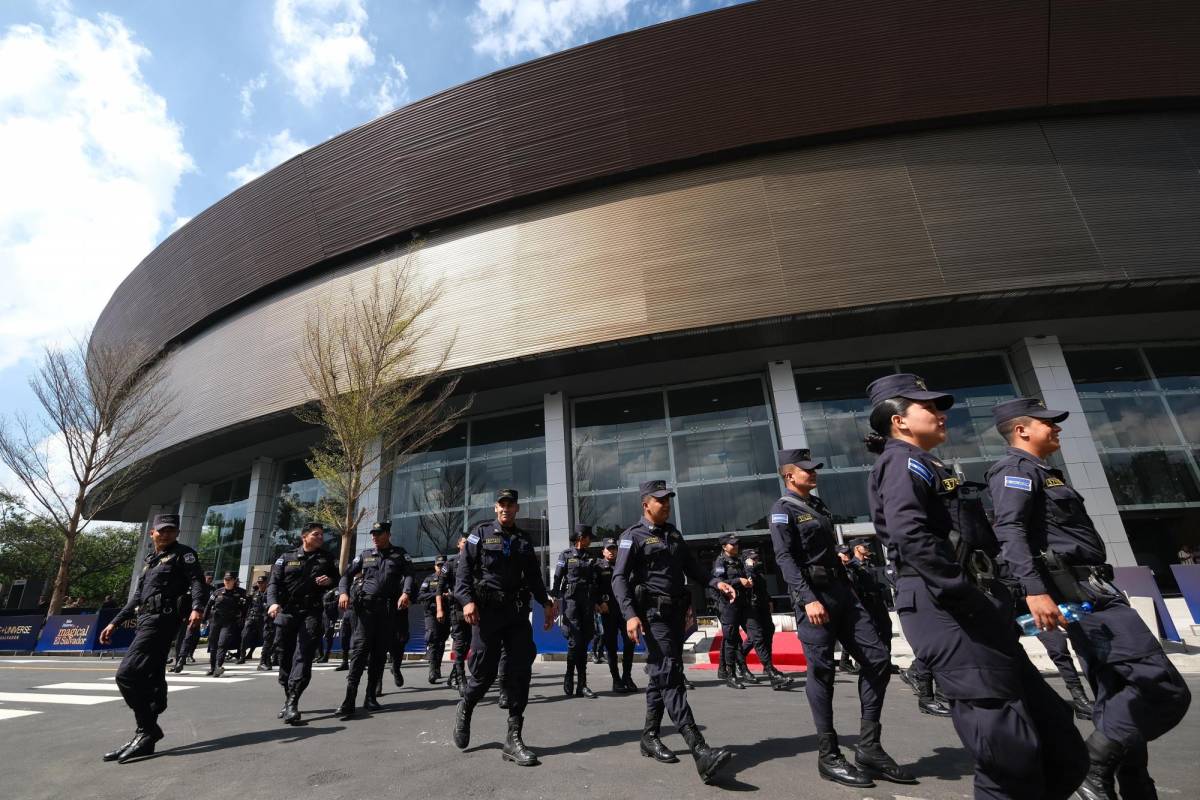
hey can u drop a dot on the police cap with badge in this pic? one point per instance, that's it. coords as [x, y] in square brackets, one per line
[581, 531]
[908, 386]
[162, 521]
[1025, 407]
[656, 488]
[729, 538]
[380, 528]
[800, 457]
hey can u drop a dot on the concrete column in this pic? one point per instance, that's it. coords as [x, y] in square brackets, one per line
[193, 504]
[143, 547]
[558, 472]
[260, 516]
[788, 418]
[377, 500]
[1042, 370]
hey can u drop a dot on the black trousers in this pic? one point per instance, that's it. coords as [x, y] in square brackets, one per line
[760, 633]
[664, 663]
[501, 627]
[268, 641]
[252, 637]
[613, 625]
[436, 634]
[297, 634]
[186, 641]
[142, 676]
[374, 632]
[460, 635]
[331, 626]
[346, 632]
[1055, 642]
[223, 635]
[580, 621]
[733, 619]
[850, 624]
[400, 636]
[1020, 733]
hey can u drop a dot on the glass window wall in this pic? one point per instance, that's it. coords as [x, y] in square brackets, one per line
[297, 503]
[220, 546]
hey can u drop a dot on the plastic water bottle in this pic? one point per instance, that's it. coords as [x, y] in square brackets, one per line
[1072, 612]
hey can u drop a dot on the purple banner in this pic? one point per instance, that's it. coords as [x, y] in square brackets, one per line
[1188, 578]
[68, 632]
[1139, 582]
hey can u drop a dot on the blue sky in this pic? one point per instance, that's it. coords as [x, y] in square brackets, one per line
[119, 121]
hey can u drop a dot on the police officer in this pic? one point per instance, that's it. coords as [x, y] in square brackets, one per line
[400, 632]
[346, 627]
[575, 588]
[1055, 642]
[171, 579]
[760, 626]
[728, 567]
[648, 582]
[188, 636]
[226, 612]
[460, 631]
[437, 624]
[1055, 552]
[496, 562]
[329, 604]
[1020, 733]
[256, 612]
[299, 578]
[612, 622]
[384, 569]
[827, 611]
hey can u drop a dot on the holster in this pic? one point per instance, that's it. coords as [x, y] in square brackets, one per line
[819, 577]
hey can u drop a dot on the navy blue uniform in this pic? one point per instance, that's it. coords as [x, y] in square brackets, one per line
[575, 586]
[1019, 731]
[805, 545]
[460, 631]
[252, 626]
[332, 615]
[760, 626]
[170, 582]
[1139, 693]
[648, 582]
[872, 593]
[293, 588]
[226, 612]
[493, 569]
[732, 613]
[612, 624]
[436, 631]
[386, 573]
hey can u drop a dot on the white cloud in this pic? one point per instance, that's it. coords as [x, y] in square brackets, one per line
[320, 46]
[393, 90]
[246, 94]
[177, 224]
[507, 29]
[90, 160]
[273, 152]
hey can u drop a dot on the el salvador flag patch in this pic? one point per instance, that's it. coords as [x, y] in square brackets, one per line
[920, 470]
[779, 519]
[1014, 482]
[625, 544]
[473, 538]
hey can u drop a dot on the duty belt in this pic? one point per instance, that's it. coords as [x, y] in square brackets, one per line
[496, 597]
[157, 604]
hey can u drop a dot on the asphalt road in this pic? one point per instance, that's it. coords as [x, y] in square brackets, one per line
[223, 739]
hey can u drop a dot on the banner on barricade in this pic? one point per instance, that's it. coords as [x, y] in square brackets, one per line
[68, 632]
[19, 633]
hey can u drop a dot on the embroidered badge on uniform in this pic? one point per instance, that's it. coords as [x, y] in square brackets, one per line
[625, 544]
[779, 519]
[804, 518]
[473, 538]
[920, 470]
[1054, 482]
[1014, 482]
[279, 562]
[190, 558]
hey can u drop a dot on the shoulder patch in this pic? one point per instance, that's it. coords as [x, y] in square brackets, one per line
[189, 558]
[625, 544]
[779, 519]
[279, 561]
[1052, 481]
[1016, 482]
[473, 538]
[804, 518]
[921, 471]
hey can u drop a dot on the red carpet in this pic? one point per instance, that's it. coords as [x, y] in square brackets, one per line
[786, 651]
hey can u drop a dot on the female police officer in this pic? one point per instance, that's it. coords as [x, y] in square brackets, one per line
[1019, 731]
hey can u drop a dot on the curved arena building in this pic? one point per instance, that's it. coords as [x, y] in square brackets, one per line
[668, 253]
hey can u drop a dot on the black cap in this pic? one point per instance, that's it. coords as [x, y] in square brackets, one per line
[657, 489]
[1026, 407]
[843, 549]
[507, 494]
[581, 530]
[382, 527]
[165, 521]
[230, 574]
[908, 386]
[869, 544]
[801, 457]
[750, 552]
[610, 542]
[729, 538]
[440, 559]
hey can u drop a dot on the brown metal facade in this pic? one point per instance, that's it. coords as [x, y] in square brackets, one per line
[776, 71]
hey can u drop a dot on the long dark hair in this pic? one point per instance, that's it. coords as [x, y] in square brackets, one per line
[881, 422]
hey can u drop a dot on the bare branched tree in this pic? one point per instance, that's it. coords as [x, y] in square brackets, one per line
[375, 388]
[102, 407]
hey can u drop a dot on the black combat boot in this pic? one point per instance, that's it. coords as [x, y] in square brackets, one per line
[709, 760]
[731, 676]
[652, 746]
[569, 679]
[462, 724]
[743, 671]
[1104, 756]
[833, 766]
[581, 687]
[264, 667]
[291, 713]
[502, 702]
[927, 701]
[514, 749]
[142, 744]
[871, 758]
[397, 675]
[346, 709]
[113, 755]
[779, 681]
[283, 708]
[345, 665]
[370, 703]
[1133, 777]
[630, 686]
[847, 664]
[1080, 703]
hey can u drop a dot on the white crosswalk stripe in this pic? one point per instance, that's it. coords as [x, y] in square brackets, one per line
[60, 699]
[189, 679]
[101, 686]
[13, 713]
